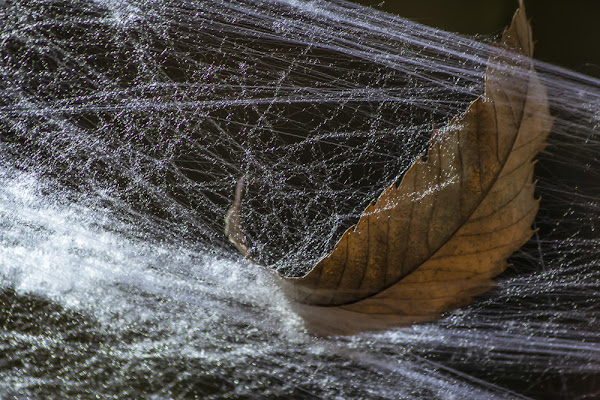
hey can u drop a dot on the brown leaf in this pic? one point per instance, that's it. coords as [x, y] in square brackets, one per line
[436, 240]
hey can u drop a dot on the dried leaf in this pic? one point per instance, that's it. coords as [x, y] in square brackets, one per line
[436, 240]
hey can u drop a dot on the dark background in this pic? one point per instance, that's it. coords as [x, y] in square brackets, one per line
[567, 32]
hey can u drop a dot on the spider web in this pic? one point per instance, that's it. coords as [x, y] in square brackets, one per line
[152, 111]
[161, 108]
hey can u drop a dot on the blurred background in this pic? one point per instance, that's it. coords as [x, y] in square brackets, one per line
[567, 32]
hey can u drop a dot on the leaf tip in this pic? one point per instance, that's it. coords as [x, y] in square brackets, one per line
[233, 224]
